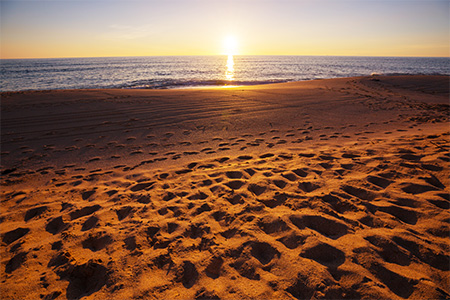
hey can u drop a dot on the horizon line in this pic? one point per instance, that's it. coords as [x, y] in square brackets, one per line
[199, 55]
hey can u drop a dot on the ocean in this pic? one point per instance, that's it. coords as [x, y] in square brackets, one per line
[199, 71]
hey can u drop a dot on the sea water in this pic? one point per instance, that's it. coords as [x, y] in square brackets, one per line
[199, 71]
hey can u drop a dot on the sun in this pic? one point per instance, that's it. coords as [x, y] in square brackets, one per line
[230, 45]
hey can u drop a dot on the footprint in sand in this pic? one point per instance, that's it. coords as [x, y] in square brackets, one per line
[90, 223]
[223, 159]
[234, 174]
[87, 210]
[87, 194]
[245, 157]
[271, 224]
[15, 262]
[124, 212]
[235, 184]
[257, 189]
[328, 227]
[93, 159]
[14, 235]
[281, 184]
[324, 254]
[35, 212]
[97, 241]
[137, 152]
[290, 176]
[56, 225]
[292, 240]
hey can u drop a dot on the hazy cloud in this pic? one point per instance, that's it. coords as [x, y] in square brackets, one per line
[127, 32]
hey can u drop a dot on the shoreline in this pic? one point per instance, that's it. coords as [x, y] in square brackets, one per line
[212, 83]
[334, 188]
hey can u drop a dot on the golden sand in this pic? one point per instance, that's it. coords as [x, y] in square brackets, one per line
[321, 189]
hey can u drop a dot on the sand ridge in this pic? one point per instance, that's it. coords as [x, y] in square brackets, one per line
[322, 205]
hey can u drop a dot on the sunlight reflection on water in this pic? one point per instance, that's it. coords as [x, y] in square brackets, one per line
[229, 73]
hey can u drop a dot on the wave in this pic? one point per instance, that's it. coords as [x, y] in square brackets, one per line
[172, 84]
[417, 73]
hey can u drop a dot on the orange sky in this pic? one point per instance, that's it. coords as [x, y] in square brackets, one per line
[44, 29]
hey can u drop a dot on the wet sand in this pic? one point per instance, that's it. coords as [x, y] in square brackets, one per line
[335, 189]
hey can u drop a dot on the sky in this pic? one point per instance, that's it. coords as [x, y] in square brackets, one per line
[87, 28]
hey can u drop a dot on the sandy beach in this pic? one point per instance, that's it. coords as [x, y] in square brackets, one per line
[324, 189]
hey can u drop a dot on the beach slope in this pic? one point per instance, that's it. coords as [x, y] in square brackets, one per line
[335, 189]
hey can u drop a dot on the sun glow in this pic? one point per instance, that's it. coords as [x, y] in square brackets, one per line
[230, 45]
